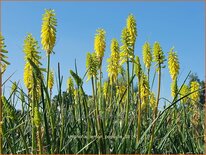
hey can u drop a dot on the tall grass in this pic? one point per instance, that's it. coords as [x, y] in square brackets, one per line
[119, 117]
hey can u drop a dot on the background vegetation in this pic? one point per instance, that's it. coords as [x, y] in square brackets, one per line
[121, 116]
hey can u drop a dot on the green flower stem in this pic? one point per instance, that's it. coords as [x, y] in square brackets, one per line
[111, 95]
[175, 106]
[127, 106]
[61, 109]
[33, 126]
[48, 68]
[155, 110]
[101, 107]
[147, 105]
[103, 111]
[128, 97]
[96, 111]
[80, 116]
[45, 121]
[48, 101]
[139, 113]
[93, 94]
[132, 75]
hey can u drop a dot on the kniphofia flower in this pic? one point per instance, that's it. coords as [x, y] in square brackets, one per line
[173, 64]
[51, 80]
[28, 79]
[132, 28]
[105, 88]
[100, 44]
[195, 96]
[144, 91]
[174, 88]
[70, 85]
[48, 31]
[31, 52]
[183, 92]
[37, 118]
[137, 67]
[113, 62]
[158, 54]
[147, 55]
[91, 65]
[126, 48]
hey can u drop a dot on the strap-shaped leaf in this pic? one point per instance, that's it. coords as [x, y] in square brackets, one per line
[77, 79]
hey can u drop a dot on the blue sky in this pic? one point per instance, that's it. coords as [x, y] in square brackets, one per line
[178, 24]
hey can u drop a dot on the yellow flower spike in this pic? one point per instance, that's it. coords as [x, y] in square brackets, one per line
[105, 88]
[195, 96]
[158, 54]
[28, 79]
[100, 44]
[70, 85]
[173, 64]
[145, 91]
[137, 67]
[132, 28]
[147, 55]
[113, 62]
[153, 100]
[51, 80]
[91, 65]
[37, 118]
[31, 51]
[48, 31]
[126, 45]
[174, 88]
[183, 92]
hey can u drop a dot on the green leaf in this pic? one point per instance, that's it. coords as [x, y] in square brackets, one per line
[77, 79]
